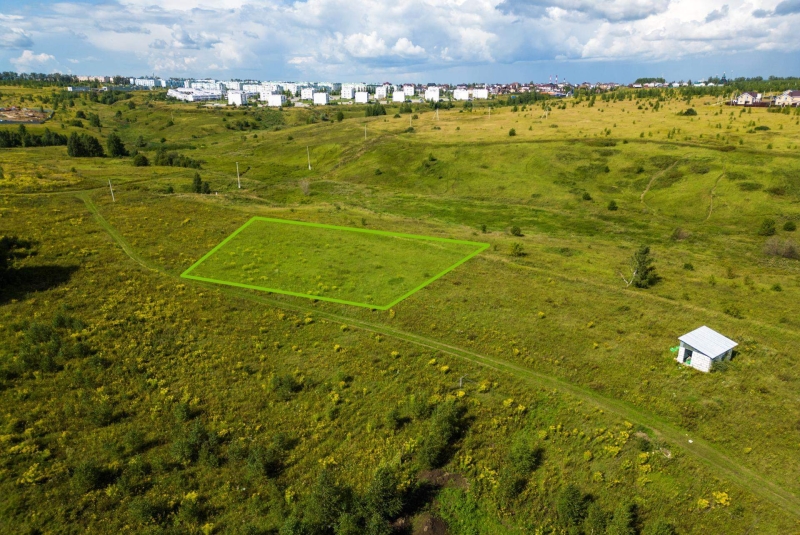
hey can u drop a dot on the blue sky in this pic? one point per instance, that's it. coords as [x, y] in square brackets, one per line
[399, 41]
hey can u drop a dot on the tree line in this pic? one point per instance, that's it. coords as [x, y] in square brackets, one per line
[23, 138]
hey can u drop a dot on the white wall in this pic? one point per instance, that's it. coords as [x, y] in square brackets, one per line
[276, 101]
[399, 96]
[461, 94]
[306, 93]
[348, 92]
[362, 97]
[480, 93]
[381, 92]
[321, 99]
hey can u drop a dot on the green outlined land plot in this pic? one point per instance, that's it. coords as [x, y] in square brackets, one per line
[354, 266]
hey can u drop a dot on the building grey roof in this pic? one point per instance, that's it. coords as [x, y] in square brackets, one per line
[708, 341]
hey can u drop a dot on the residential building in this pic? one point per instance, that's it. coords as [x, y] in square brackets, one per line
[398, 96]
[188, 94]
[276, 101]
[703, 347]
[307, 93]
[460, 94]
[237, 98]
[432, 94]
[362, 97]
[348, 92]
[788, 98]
[748, 98]
[482, 94]
[409, 90]
[381, 92]
[321, 98]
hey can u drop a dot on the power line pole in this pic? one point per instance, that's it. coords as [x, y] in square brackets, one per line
[308, 152]
[112, 191]
[238, 178]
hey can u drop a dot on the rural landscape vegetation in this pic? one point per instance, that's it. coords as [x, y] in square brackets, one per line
[530, 389]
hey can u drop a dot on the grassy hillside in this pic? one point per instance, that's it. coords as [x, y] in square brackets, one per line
[528, 390]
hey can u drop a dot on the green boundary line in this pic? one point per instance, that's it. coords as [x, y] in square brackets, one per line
[186, 274]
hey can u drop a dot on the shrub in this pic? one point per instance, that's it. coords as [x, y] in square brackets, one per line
[623, 521]
[140, 160]
[517, 250]
[659, 527]
[173, 159]
[285, 386]
[643, 272]
[516, 231]
[586, 196]
[116, 149]
[512, 132]
[84, 146]
[762, 128]
[571, 505]
[767, 228]
[786, 249]
[691, 112]
[443, 428]
[612, 206]
[340, 116]
[790, 226]
[688, 267]
[265, 461]
[87, 476]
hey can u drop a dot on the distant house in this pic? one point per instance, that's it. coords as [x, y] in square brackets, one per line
[748, 98]
[788, 98]
[237, 98]
[321, 99]
[276, 101]
[702, 347]
[460, 94]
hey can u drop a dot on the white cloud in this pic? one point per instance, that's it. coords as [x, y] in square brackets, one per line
[350, 38]
[29, 61]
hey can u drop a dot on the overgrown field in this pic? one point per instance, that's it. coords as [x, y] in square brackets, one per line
[529, 390]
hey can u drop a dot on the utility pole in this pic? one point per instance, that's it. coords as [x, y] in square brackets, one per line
[238, 178]
[308, 152]
[112, 191]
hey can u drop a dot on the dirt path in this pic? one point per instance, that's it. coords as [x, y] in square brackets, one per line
[701, 449]
[652, 181]
[711, 203]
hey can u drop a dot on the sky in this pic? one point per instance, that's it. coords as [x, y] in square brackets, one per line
[400, 41]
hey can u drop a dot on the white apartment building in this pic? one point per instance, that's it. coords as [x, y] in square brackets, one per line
[208, 85]
[233, 86]
[237, 98]
[381, 91]
[460, 94]
[348, 92]
[321, 99]
[432, 94]
[362, 97]
[409, 90]
[480, 93]
[307, 93]
[398, 96]
[194, 95]
[276, 101]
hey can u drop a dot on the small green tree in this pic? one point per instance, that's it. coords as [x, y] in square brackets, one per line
[643, 272]
[789, 226]
[206, 189]
[623, 521]
[517, 250]
[340, 116]
[140, 160]
[197, 183]
[512, 132]
[116, 149]
[571, 506]
[612, 206]
[767, 228]
[659, 527]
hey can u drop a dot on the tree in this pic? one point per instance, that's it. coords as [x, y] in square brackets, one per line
[512, 132]
[340, 116]
[84, 146]
[206, 188]
[197, 184]
[116, 149]
[12, 248]
[612, 205]
[622, 523]
[571, 505]
[659, 527]
[140, 160]
[643, 273]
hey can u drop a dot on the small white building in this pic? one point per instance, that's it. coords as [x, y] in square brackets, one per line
[307, 93]
[276, 101]
[702, 347]
[460, 94]
[432, 94]
[321, 99]
[348, 92]
[788, 98]
[482, 94]
[398, 96]
[409, 90]
[381, 91]
[362, 97]
[748, 98]
[237, 98]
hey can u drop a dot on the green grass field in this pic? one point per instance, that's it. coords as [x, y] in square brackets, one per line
[139, 401]
[373, 269]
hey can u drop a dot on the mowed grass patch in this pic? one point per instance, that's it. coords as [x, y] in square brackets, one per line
[354, 266]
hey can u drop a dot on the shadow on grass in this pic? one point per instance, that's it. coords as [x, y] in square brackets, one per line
[18, 283]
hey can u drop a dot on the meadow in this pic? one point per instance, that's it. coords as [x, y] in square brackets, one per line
[316, 261]
[530, 390]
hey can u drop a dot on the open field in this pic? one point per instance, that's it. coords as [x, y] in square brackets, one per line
[184, 388]
[316, 261]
